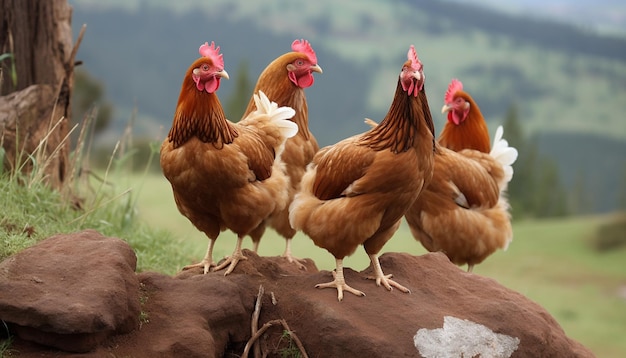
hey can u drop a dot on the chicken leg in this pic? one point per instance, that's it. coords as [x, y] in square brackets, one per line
[292, 259]
[232, 260]
[383, 279]
[207, 261]
[339, 282]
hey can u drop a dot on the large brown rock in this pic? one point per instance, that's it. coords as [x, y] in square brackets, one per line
[449, 313]
[71, 291]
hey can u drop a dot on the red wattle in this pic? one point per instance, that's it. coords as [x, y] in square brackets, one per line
[306, 80]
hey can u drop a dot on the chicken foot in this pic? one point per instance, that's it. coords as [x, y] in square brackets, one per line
[232, 260]
[383, 279]
[207, 261]
[292, 259]
[339, 282]
[287, 254]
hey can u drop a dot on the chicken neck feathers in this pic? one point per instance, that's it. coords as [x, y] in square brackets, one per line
[398, 131]
[277, 86]
[471, 133]
[200, 114]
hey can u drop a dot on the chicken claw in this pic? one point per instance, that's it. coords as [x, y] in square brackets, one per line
[205, 264]
[294, 260]
[207, 261]
[339, 283]
[232, 260]
[386, 281]
[383, 279]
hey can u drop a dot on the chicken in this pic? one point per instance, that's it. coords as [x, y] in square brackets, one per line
[284, 80]
[356, 191]
[224, 175]
[466, 128]
[464, 211]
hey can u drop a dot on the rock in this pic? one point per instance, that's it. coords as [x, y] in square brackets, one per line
[449, 313]
[196, 315]
[71, 291]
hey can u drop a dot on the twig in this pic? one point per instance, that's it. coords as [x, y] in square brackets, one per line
[257, 333]
[255, 319]
[77, 44]
[265, 327]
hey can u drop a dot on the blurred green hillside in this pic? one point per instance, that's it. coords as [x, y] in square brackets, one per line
[568, 84]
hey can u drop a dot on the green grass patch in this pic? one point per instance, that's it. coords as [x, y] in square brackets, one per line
[31, 214]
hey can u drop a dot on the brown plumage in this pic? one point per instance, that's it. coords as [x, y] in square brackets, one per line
[284, 81]
[224, 175]
[464, 211]
[356, 191]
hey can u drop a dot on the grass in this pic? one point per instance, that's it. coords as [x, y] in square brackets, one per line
[32, 214]
[292, 350]
[5, 342]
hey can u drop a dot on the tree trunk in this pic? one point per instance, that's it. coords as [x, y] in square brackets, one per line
[36, 86]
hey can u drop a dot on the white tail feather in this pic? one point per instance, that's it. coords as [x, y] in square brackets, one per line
[278, 115]
[504, 154]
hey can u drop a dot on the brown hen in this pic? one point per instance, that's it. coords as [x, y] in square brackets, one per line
[284, 81]
[464, 212]
[224, 175]
[356, 191]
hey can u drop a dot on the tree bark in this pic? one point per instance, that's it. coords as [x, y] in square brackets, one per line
[34, 121]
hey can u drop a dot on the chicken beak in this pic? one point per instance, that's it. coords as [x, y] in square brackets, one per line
[316, 68]
[222, 74]
[446, 107]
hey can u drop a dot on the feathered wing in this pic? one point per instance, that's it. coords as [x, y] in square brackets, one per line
[326, 194]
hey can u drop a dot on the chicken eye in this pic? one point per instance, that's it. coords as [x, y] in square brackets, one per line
[205, 67]
[299, 63]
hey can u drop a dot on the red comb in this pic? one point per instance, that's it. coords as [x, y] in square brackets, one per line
[304, 47]
[213, 53]
[454, 86]
[412, 56]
